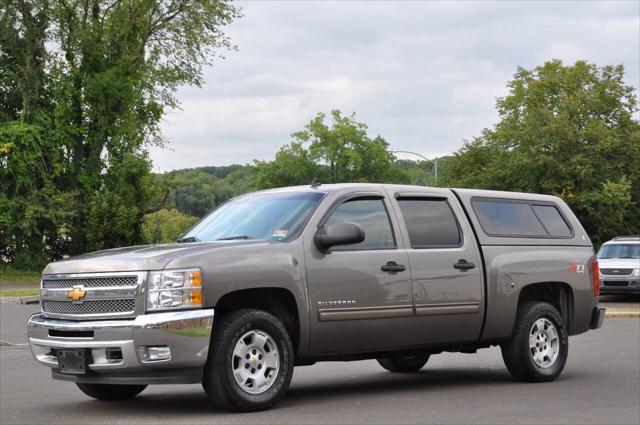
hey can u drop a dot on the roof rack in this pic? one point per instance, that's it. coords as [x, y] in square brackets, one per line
[626, 238]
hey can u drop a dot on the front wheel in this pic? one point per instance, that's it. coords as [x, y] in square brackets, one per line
[538, 348]
[106, 392]
[404, 363]
[250, 362]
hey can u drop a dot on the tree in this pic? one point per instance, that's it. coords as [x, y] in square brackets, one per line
[91, 80]
[567, 131]
[342, 152]
[165, 226]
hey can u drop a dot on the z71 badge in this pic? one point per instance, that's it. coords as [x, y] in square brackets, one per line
[576, 268]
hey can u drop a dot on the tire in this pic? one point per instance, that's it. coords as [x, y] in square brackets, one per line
[531, 354]
[404, 363]
[107, 392]
[263, 381]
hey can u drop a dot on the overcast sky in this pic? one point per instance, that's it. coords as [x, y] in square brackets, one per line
[424, 75]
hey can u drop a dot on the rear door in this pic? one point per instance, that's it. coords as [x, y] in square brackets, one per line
[446, 268]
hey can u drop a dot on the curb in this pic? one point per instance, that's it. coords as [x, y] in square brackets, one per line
[621, 313]
[33, 299]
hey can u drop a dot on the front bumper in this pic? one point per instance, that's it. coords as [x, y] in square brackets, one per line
[611, 285]
[186, 333]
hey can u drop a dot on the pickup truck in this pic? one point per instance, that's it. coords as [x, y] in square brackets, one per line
[292, 276]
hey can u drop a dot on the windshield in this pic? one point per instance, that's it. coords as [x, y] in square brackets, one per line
[269, 216]
[619, 250]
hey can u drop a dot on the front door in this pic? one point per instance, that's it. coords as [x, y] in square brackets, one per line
[360, 295]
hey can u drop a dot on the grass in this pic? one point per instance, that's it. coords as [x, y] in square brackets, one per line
[18, 277]
[19, 292]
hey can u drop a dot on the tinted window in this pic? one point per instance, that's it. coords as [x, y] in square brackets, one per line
[372, 216]
[552, 220]
[430, 222]
[508, 218]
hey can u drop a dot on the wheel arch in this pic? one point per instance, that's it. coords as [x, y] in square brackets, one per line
[277, 301]
[558, 294]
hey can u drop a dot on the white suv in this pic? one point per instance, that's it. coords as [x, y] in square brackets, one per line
[619, 261]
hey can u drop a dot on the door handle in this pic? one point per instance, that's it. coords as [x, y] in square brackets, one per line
[392, 267]
[463, 265]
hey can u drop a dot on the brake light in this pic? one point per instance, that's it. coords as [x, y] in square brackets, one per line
[595, 275]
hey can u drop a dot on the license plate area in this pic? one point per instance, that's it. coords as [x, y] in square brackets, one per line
[72, 361]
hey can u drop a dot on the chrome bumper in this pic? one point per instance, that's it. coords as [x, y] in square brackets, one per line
[186, 333]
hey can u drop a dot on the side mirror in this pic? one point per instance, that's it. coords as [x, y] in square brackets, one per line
[345, 233]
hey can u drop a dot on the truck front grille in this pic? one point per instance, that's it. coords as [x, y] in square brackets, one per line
[616, 272]
[93, 282]
[89, 307]
[85, 296]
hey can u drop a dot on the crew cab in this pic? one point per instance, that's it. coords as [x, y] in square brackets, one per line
[293, 276]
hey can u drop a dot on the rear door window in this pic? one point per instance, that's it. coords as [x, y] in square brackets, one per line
[430, 223]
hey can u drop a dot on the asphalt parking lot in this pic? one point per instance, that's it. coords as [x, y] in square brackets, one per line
[600, 384]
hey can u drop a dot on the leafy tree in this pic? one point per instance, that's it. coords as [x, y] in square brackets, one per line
[420, 173]
[293, 165]
[196, 194]
[84, 84]
[32, 208]
[339, 152]
[568, 131]
[165, 226]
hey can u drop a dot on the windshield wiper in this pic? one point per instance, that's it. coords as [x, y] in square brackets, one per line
[188, 239]
[229, 238]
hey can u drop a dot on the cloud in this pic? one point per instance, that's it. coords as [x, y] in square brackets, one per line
[424, 75]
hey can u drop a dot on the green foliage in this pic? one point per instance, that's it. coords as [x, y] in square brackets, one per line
[165, 226]
[421, 173]
[32, 207]
[341, 152]
[567, 131]
[198, 191]
[83, 87]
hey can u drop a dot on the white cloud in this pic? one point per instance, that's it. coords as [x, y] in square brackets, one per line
[424, 75]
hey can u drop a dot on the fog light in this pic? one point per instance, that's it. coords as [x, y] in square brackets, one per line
[155, 354]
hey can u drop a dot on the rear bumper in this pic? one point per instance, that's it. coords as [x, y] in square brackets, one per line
[597, 318]
[186, 333]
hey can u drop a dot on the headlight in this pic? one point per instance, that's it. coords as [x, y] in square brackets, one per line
[636, 272]
[174, 289]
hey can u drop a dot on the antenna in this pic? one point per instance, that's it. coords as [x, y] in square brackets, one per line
[315, 183]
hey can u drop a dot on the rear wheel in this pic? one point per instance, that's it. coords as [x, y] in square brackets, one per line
[107, 392]
[250, 362]
[404, 363]
[538, 348]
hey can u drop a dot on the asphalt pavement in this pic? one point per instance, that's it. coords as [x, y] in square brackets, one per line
[600, 384]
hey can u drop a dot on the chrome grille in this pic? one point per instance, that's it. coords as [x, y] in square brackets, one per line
[85, 296]
[91, 282]
[616, 272]
[89, 307]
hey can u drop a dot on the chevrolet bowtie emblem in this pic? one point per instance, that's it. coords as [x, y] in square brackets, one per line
[77, 293]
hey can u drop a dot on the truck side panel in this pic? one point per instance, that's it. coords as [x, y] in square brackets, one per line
[511, 270]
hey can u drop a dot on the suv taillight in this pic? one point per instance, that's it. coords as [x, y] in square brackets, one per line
[595, 275]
